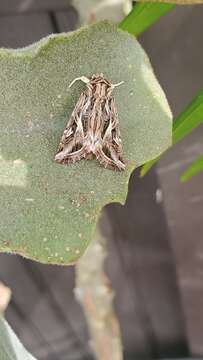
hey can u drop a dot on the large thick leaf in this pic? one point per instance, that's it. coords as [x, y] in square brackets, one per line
[49, 211]
[10, 346]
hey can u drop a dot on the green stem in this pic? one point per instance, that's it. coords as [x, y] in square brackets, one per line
[144, 15]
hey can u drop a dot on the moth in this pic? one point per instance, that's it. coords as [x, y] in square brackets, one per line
[93, 127]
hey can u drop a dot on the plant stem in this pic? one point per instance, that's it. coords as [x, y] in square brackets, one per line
[96, 297]
[143, 15]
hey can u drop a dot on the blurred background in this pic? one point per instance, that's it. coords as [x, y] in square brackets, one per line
[155, 241]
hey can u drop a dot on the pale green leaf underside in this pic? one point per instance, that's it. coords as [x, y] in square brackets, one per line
[48, 211]
[10, 346]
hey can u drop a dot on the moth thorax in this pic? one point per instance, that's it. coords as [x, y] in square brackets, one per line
[102, 90]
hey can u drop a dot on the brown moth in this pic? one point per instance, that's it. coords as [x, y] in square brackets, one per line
[93, 127]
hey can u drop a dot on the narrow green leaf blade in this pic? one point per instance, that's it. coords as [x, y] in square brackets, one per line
[186, 122]
[10, 346]
[146, 167]
[189, 119]
[194, 169]
[144, 15]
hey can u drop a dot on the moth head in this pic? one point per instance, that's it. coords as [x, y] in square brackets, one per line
[100, 78]
[97, 77]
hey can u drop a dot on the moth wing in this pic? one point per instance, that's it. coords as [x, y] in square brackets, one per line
[72, 123]
[71, 147]
[110, 153]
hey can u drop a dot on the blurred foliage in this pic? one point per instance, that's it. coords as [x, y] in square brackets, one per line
[194, 169]
[95, 10]
[184, 124]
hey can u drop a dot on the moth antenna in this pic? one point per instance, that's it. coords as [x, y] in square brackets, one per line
[82, 78]
[115, 85]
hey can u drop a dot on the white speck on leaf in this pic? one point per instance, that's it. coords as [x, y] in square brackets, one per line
[61, 207]
[18, 162]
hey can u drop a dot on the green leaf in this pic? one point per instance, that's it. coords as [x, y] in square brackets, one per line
[184, 124]
[194, 169]
[189, 119]
[48, 211]
[144, 15]
[10, 346]
[146, 167]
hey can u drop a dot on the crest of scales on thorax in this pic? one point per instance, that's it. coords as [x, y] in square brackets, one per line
[93, 127]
